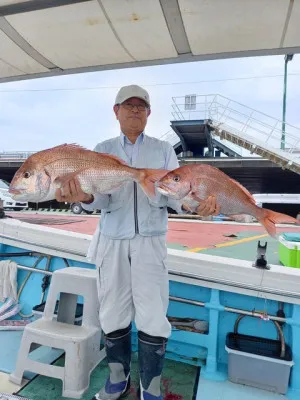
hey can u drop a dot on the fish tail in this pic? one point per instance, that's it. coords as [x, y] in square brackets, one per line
[148, 178]
[269, 218]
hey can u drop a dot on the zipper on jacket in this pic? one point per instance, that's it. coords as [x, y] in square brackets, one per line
[135, 209]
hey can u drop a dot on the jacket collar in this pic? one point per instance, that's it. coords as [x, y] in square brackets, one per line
[124, 139]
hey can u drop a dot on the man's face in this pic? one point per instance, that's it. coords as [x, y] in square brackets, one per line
[132, 115]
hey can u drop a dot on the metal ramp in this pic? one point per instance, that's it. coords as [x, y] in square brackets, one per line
[239, 126]
[225, 149]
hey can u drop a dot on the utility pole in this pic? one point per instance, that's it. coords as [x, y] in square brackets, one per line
[287, 58]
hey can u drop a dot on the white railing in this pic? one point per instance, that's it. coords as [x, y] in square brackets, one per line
[172, 138]
[240, 119]
[204, 107]
[15, 155]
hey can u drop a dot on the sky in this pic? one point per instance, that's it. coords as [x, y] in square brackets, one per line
[41, 113]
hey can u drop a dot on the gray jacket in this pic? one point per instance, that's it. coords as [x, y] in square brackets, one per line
[129, 211]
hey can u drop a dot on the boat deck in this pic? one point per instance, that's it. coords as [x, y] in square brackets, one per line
[180, 381]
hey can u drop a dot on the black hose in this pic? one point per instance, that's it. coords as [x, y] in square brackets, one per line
[66, 262]
[15, 254]
[23, 254]
[280, 313]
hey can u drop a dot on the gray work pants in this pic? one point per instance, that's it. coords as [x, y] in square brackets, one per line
[133, 284]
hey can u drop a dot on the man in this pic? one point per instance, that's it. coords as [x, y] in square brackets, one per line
[129, 250]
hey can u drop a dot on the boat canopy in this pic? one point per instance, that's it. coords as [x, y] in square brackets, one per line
[40, 38]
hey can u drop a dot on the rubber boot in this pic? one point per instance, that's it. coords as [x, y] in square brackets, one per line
[118, 352]
[151, 355]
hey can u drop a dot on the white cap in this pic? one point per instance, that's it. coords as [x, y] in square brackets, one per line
[126, 92]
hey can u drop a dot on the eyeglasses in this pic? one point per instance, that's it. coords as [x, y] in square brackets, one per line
[130, 107]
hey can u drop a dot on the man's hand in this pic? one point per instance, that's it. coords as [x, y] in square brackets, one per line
[71, 193]
[208, 207]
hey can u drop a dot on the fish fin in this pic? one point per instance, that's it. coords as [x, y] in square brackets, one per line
[246, 191]
[74, 145]
[269, 218]
[64, 146]
[195, 197]
[67, 145]
[62, 180]
[148, 179]
[186, 207]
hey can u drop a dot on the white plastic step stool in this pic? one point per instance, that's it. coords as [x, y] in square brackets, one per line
[80, 343]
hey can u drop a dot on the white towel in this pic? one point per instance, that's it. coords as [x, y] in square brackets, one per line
[8, 280]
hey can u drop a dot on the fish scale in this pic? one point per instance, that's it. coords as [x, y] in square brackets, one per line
[44, 172]
[194, 183]
[229, 201]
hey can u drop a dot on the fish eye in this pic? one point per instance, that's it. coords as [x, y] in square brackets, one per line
[27, 174]
[176, 178]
